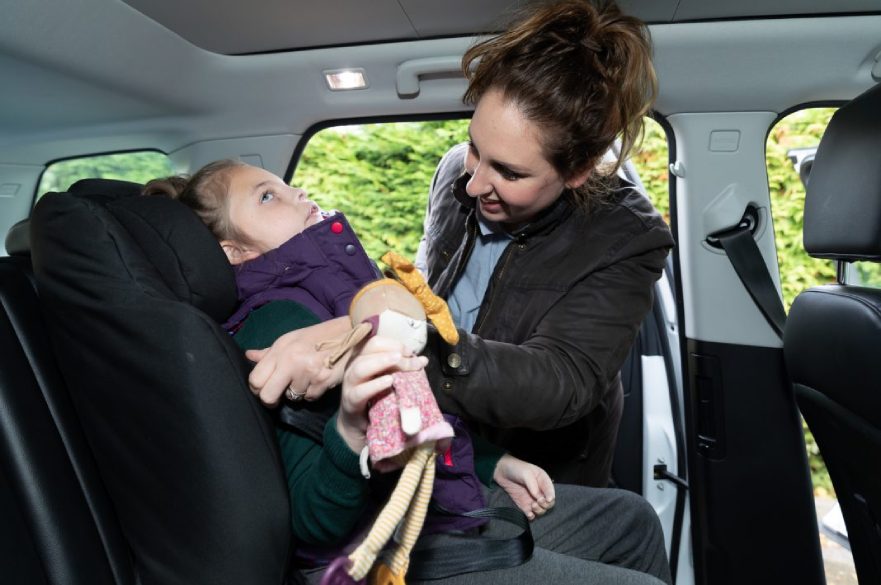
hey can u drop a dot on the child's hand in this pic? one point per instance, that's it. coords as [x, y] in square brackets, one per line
[528, 485]
[366, 376]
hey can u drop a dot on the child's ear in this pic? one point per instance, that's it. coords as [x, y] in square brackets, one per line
[237, 253]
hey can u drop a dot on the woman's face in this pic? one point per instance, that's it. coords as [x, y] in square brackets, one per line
[265, 211]
[510, 177]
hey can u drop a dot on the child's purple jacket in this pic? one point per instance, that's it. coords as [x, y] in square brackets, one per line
[321, 268]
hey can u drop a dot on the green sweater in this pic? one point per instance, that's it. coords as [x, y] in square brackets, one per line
[327, 491]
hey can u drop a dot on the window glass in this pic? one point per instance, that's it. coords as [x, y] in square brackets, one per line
[138, 167]
[379, 175]
[789, 152]
[652, 163]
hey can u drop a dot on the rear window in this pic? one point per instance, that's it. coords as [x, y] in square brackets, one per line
[138, 167]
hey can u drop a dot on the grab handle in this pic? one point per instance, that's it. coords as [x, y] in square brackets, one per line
[409, 71]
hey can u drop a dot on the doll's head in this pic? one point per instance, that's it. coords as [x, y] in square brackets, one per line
[397, 313]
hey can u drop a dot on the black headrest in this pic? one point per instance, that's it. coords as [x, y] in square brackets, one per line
[843, 202]
[18, 238]
[186, 452]
[109, 188]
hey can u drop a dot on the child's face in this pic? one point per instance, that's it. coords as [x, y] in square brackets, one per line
[265, 211]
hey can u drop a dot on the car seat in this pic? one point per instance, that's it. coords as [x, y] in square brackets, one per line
[833, 331]
[132, 289]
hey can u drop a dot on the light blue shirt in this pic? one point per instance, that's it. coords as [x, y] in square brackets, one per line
[468, 292]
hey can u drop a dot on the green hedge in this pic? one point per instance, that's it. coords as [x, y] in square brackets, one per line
[378, 175]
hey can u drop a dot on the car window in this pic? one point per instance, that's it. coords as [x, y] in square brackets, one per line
[789, 154]
[138, 167]
[379, 175]
[792, 145]
[790, 149]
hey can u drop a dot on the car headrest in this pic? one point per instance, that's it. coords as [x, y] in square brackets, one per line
[108, 188]
[182, 446]
[18, 238]
[843, 202]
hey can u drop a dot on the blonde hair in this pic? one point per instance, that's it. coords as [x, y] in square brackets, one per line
[206, 193]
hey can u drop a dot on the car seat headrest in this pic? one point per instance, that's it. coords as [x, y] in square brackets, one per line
[108, 188]
[182, 250]
[843, 201]
[18, 238]
[172, 242]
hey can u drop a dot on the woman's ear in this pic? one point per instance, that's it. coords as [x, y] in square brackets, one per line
[236, 252]
[579, 178]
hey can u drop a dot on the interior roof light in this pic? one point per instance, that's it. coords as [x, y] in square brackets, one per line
[346, 79]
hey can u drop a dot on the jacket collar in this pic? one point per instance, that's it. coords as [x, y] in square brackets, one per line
[547, 218]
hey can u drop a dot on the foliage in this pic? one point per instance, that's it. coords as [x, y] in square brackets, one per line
[652, 162]
[379, 176]
[138, 167]
[798, 271]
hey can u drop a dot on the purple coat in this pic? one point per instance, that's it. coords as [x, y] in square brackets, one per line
[321, 268]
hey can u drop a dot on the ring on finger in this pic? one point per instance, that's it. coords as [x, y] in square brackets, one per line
[293, 396]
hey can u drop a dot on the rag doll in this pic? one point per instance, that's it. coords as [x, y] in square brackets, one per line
[405, 425]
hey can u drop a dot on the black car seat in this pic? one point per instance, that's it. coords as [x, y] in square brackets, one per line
[131, 289]
[57, 523]
[833, 332]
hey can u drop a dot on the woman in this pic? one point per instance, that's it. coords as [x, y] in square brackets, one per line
[549, 296]
[547, 258]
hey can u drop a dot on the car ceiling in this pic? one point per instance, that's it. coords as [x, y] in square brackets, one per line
[233, 27]
[87, 76]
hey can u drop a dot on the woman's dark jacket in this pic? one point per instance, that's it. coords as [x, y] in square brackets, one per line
[539, 374]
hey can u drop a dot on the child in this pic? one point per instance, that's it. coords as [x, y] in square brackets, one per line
[297, 266]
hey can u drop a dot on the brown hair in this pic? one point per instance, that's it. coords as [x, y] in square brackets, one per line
[583, 72]
[206, 193]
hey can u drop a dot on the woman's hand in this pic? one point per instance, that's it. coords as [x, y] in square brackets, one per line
[292, 361]
[368, 375]
[528, 485]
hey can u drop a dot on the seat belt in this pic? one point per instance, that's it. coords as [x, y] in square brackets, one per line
[744, 254]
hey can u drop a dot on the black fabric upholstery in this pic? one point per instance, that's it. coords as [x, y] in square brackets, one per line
[18, 238]
[58, 525]
[833, 332]
[132, 289]
[843, 202]
[106, 188]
